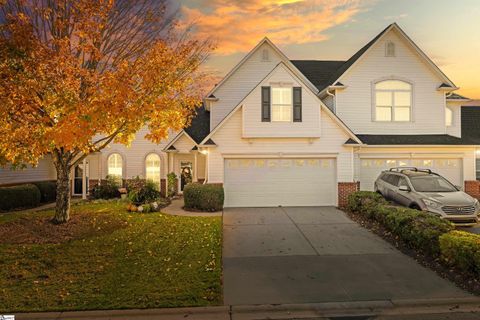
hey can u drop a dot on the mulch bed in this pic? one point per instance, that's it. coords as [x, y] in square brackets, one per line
[466, 281]
[40, 229]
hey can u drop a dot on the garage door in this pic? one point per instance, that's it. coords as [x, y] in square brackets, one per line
[275, 182]
[371, 168]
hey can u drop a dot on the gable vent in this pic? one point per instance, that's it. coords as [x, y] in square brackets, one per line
[265, 55]
[390, 49]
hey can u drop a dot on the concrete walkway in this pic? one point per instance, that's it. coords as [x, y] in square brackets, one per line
[316, 255]
[176, 209]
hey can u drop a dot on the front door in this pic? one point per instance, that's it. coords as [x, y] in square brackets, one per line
[77, 179]
[186, 173]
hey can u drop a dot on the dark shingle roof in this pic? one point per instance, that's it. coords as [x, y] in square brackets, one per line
[200, 125]
[351, 141]
[409, 139]
[318, 72]
[456, 96]
[471, 124]
[210, 142]
[172, 148]
[324, 73]
[445, 85]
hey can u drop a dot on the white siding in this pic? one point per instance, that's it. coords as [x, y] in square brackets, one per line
[43, 171]
[456, 128]
[253, 127]
[184, 144]
[229, 141]
[354, 104]
[134, 156]
[241, 82]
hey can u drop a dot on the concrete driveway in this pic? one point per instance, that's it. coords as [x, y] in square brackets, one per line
[316, 254]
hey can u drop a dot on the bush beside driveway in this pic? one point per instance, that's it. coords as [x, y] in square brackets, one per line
[106, 258]
[431, 240]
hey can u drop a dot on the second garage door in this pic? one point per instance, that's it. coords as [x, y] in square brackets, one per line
[280, 182]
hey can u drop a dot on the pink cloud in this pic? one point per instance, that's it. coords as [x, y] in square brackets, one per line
[237, 26]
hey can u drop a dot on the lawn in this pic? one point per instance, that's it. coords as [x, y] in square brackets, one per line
[107, 258]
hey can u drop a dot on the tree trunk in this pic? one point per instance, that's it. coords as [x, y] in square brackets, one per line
[62, 208]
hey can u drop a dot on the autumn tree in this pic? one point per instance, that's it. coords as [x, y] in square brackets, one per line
[76, 75]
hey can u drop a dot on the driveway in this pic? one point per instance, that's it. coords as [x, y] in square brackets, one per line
[316, 254]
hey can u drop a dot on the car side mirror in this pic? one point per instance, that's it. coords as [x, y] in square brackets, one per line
[404, 188]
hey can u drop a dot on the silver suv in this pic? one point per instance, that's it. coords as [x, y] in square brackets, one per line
[425, 190]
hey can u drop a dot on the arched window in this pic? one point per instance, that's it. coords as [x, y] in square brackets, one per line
[152, 168]
[390, 49]
[448, 117]
[393, 100]
[115, 165]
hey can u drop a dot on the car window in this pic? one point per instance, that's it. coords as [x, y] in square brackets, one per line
[402, 182]
[432, 184]
[393, 179]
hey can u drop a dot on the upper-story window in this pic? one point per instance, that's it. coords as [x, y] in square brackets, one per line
[393, 100]
[282, 104]
[390, 49]
[448, 117]
[115, 165]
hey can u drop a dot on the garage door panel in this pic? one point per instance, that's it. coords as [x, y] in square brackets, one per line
[451, 169]
[274, 182]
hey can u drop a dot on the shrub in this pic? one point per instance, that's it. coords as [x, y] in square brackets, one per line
[107, 189]
[142, 191]
[420, 230]
[172, 183]
[204, 197]
[22, 196]
[461, 249]
[48, 190]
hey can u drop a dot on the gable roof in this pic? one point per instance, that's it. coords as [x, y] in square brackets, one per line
[326, 73]
[457, 97]
[199, 125]
[295, 72]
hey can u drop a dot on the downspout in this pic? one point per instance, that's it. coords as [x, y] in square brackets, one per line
[333, 99]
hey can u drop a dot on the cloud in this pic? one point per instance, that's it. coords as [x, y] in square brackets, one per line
[238, 25]
[396, 18]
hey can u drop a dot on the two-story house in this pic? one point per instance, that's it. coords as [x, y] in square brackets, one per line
[286, 132]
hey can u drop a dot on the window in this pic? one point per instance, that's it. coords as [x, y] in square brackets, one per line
[390, 49]
[281, 104]
[448, 117]
[393, 100]
[115, 165]
[152, 168]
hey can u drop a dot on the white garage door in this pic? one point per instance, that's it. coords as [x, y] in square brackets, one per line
[371, 168]
[275, 182]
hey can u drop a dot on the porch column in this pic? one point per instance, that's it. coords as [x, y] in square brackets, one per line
[195, 166]
[84, 179]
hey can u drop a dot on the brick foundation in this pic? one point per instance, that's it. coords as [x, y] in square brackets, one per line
[92, 183]
[473, 188]
[344, 190]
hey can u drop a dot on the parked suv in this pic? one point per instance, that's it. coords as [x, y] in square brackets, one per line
[425, 190]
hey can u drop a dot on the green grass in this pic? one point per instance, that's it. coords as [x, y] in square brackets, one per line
[146, 261]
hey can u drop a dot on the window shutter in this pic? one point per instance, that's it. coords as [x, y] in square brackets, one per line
[265, 104]
[297, 104]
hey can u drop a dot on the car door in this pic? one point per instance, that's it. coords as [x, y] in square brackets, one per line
[391, 186]
[402, 197]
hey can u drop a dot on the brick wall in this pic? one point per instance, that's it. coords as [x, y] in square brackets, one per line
[473, 188]
[344, 190]
[163, 187]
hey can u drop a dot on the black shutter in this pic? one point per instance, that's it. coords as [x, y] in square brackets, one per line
[265, 104]
[297, 104]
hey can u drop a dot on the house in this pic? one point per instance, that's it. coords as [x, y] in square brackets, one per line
[286, 132]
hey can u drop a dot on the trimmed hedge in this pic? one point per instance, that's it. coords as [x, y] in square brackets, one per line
[420, 230]
[48, 190]
[22, 196]
[204, 197]
[461, 249]
[107, 189]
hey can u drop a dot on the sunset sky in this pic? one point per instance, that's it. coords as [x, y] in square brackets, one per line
[448, 31]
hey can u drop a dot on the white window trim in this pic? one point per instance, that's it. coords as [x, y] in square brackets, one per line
[145, 165]
[374, 99]
[124, 163]
[283, 86]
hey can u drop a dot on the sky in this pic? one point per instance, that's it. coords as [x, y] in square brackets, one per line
[447, 31]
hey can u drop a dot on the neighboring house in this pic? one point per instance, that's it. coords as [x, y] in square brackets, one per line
[306, 133]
